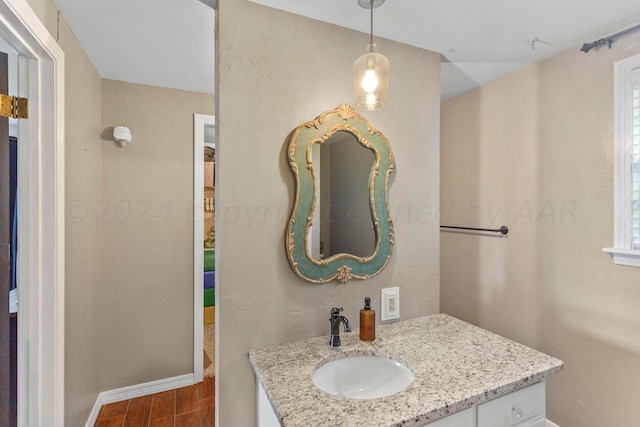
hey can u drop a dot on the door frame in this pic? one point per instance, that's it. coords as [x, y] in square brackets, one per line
[199, 123]
[41, 251]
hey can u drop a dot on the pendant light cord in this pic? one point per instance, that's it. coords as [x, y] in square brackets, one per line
[371, 34]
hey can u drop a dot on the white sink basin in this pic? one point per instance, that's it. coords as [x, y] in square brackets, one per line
[362, 377]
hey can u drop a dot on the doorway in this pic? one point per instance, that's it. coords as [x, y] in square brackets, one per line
[204, 254]
[8, 181]
[40, 213]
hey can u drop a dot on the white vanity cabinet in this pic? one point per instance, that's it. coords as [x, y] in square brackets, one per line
[521, 408]
[459, 419]
[266, 415]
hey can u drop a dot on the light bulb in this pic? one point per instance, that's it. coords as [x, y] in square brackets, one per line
[371, 101]
[370, 81]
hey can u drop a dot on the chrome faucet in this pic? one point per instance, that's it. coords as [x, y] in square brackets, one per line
[335, 320]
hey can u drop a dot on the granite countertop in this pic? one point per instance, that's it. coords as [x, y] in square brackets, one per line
[456, 365]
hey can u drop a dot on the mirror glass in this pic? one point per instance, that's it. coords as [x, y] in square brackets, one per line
[339, 227]
[342, 221]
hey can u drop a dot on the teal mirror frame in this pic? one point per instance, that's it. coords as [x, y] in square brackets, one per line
[341, 267]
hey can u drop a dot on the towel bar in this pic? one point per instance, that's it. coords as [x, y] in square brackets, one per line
[502, 230]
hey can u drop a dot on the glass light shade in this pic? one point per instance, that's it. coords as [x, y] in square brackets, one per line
[371, 80]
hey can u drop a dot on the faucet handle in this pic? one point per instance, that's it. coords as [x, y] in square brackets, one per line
[335, 311]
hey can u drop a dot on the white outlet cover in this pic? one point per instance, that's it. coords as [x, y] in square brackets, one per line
[390, 303]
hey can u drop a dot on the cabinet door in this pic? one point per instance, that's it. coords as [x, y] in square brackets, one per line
[266, 415]
[537, 422]
[525, 407]
[459, 419]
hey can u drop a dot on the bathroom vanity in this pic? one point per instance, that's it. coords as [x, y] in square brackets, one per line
[464, 376]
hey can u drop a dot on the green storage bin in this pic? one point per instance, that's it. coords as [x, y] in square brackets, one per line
[209, 297]
[209, 260]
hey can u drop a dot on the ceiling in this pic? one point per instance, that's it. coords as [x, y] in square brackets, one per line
[170, 43]
[166, 43]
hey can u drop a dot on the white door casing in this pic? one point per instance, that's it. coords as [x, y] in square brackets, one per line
[41, 217]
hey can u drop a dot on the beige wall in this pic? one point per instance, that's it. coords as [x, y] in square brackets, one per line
[47, 11]
[83, 251]
[534, 151]
[147, 226]
[83, 154]
[277, 70]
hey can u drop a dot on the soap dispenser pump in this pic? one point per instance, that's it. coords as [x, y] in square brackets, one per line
[367, 322]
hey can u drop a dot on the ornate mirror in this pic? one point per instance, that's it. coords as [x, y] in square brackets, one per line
[340, 226]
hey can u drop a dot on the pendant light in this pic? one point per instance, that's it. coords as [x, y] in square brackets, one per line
[371, 71]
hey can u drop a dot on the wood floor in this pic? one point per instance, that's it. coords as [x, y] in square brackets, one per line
[192, 406]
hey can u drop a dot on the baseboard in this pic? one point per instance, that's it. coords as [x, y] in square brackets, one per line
[550, 424]
[131, 392]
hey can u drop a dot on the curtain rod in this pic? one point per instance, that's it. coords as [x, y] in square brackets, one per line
[502, 230]
[608, 40]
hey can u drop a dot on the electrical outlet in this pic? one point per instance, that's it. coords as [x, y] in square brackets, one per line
[390, 299]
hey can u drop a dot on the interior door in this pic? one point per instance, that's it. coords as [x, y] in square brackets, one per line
[8, 407]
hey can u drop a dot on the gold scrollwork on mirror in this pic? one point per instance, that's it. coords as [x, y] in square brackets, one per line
[340, 227]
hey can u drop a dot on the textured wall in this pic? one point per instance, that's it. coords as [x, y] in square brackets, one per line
[277, 70]
[534, 151]
[47, 11]
[83, 250]
[147, 227]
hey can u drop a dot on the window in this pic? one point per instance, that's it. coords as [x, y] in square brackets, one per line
[626, 250]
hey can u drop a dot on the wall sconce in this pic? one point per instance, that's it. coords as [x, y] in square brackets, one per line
[371, 71]
[122, 135]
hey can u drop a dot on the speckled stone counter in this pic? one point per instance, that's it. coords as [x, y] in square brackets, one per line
[456, 366]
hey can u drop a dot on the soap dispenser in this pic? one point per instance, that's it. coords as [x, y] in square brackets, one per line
[367, 322]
